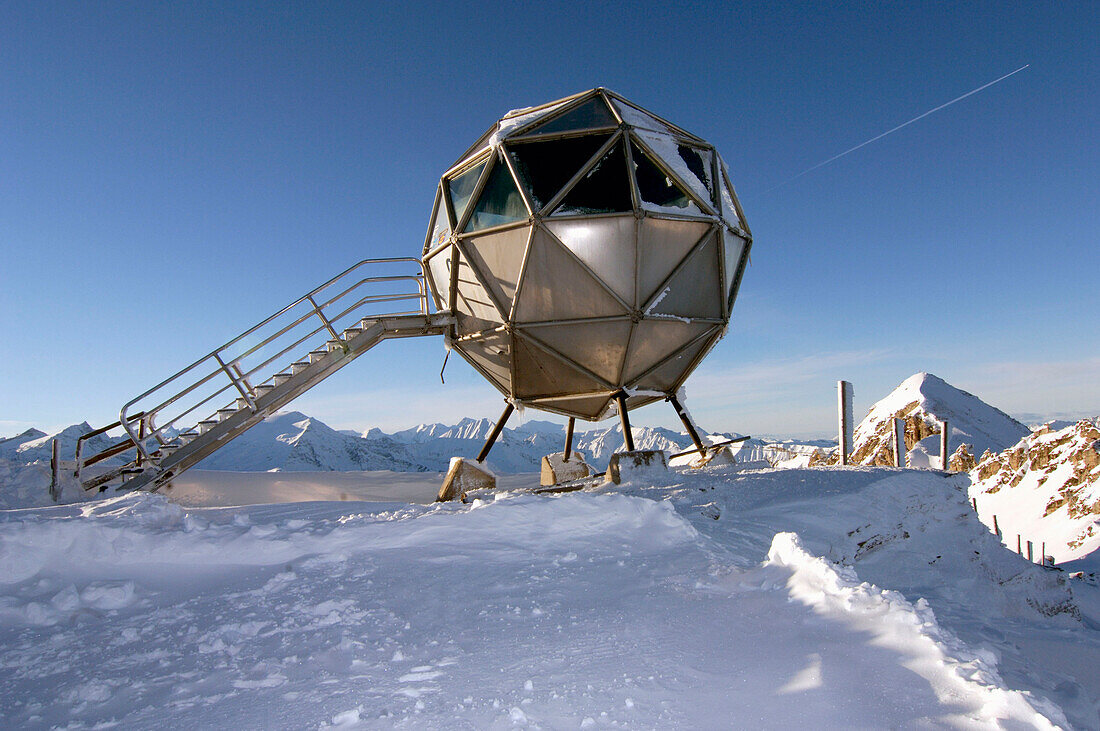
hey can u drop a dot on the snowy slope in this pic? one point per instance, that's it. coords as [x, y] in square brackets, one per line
[710, 600]
[925, 400]
[1045, 489]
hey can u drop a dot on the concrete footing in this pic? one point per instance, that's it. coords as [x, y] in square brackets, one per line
[556, 470]
[463, 476]
[715, 458]
[638, 463]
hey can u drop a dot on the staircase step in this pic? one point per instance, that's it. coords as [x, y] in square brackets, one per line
[206, 425]
[264, 389]
[352, 332]
[366, 322]
[316, 355]
[188, 436]
[280, 378]
[224, 414]
[242, 404]
[334, 345]
[298, 367]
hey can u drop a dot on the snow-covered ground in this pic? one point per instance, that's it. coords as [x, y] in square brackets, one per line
[717, 598]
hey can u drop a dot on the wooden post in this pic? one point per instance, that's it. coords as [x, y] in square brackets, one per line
[844, 394]
[1044, 556]
[1029, 556]
[1018, 549]
[945, 456]
[974, 502]
[55, 470]
[899, 442]
[996, 528]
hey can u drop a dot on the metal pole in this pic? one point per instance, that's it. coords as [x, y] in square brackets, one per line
[569, 438]
[495, 432]
[844, 407]
[620, 398]
[686, 421]
[899, 442]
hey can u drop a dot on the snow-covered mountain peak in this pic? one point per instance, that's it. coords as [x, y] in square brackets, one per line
[925, 400]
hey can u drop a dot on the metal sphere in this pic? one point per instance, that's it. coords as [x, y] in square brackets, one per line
[586, 247]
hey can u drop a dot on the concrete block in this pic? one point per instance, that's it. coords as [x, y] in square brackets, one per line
[555, 470]
[640, 463]
[463, 476]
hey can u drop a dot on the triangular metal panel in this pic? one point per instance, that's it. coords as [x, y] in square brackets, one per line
[546, 166]
[584, 407]
[674, 371]
[491, 355]
[597, 346]
[499, 259]
[590, 114]
[733, 248]
[696, 289]
[603, 189]
[472, 298]
[555, 286]
[691, 166]
[658, 190]
[499, 201]
[662, 245]
[538, 373]
[654, 340]
[608, 246]
[438, 274]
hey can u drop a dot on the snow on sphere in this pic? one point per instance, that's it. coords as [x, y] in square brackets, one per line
[586, 246]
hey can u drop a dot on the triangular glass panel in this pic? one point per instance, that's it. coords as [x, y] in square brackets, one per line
[592, 114]
[544, 167]
[654, 340]
[440, 227]
[662, 245]
[461, 188]
[659, 192]
[500, 201]
[491, 356]
[672, 373]
[438, 273]
[597, 346]
[584, 407]
[639, 118]
[540, 374]
[604, 189]
[606, 245]
[472, 298]
[692, 165]
[695, 290]
[729, 208]
[555, 286]
[499, 259]
[733, 248]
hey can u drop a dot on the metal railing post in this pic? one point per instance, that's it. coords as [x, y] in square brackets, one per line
[328, 325]
[237, 384]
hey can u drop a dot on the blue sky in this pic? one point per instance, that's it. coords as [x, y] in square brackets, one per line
[171, 173]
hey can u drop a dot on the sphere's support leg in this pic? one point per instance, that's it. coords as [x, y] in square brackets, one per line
[569, 438]
[691, 430]
[620, 398]
[495, 432]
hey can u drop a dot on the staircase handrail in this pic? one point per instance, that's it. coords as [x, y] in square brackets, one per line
[239, 381]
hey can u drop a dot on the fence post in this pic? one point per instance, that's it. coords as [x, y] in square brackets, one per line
[844, 407]
[899, 442]
[1043, 560]
[996, 528]
[1018, 549]
[55, 470]
[945, 456]
[1030, 557]
[974, 502]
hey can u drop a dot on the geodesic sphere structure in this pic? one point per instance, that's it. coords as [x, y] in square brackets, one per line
[586, 247]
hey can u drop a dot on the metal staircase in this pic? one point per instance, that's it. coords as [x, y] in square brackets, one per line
[190, 415]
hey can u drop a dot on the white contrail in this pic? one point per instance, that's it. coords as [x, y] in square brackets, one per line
[895, 129]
